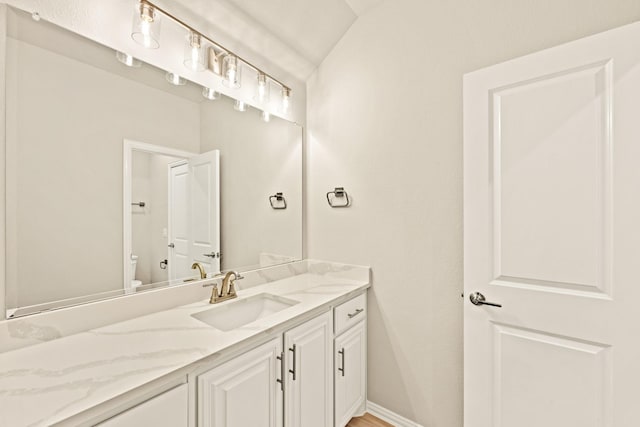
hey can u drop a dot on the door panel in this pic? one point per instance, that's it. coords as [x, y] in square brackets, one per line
[169, 409]
[179, 257]
[549, 368]
[551, 233]
[243, 392]
[558, 157]
[350, 359]
[205, 210]
[309, 400]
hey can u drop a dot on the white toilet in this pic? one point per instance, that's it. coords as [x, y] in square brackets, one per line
[134, 263]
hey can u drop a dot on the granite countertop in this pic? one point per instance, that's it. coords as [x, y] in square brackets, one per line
[49, 382]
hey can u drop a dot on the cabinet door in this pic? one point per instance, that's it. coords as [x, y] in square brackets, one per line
[168, 409]
[350, 372]
[309, 385]
[244, 391]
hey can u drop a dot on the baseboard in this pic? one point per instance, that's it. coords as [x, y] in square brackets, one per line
[391, 417]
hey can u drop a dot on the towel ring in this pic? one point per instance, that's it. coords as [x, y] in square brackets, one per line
[278, 197]
[338, 193]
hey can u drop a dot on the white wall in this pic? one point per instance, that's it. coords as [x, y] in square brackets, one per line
[141, 217]
[385, 122]
[149, 224]
[53, 146]
[257, 159]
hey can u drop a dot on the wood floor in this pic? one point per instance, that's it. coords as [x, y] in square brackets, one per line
[368, 420]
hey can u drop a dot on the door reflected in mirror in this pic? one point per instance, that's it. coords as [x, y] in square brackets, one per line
[73, 232]
[171, 214]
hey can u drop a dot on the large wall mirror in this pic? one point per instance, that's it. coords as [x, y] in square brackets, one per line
[118, 181]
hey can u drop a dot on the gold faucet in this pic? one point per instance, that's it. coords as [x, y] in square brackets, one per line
[228, 289]
[203, 274]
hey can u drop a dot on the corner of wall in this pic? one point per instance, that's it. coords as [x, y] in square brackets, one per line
[3, 44]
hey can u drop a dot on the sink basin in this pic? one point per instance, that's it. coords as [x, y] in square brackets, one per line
[240, 312]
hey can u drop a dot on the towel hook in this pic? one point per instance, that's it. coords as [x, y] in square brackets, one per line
[338, 193]
[278, 197]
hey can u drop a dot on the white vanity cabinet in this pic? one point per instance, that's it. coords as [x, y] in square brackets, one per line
[248, 390]
[243, 391]
[350, 360]
[168, 409]
[309, 379]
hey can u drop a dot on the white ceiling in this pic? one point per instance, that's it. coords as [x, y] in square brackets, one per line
[299, 33]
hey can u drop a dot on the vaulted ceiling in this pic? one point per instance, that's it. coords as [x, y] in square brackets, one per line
[299, 33]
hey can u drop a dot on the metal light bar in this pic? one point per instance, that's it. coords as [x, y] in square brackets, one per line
[215, 44]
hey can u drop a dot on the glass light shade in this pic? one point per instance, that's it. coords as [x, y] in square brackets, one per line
[286, 99]
[194, 52]
[262, 89]
[210, 93]
[128, 60]
[146, 26]
[175, 79]
[240, 106]
[266, 116]
[232, 71]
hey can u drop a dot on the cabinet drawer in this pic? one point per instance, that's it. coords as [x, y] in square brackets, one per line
[350, 313]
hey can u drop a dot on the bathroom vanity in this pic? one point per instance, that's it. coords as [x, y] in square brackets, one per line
[290, 350]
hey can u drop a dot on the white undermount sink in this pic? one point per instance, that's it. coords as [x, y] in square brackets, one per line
[240, 312]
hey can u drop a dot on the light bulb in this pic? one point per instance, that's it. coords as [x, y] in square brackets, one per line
[231, 69]
[175, 79]
[210, 93]
[240, 106]
[146, 26]
[128, 60]
[194, 53]
[286, 99]
[262, 91]
[266, 116]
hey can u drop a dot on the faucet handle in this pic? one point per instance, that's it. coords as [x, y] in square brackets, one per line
[214, 294]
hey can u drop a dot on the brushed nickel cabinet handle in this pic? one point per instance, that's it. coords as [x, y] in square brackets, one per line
[281, 379]
[341, 369]
[355, 313]
[293, 371]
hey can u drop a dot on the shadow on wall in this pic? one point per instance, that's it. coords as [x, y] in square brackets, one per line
[395, 362]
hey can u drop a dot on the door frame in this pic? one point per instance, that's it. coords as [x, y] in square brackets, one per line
[128, 147]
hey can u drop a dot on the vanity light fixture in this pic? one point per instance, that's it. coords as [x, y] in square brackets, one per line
[146, 25]
[175, 79]
[210, 94]
[262, 92]
[240, 106]
[231, 69]
[194, 53]
[266, 116]
[128, 60]
[218, 59]
[286, 99]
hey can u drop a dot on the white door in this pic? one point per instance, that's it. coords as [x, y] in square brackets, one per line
[179, 221]
[244, 391]
[552, 233]
[205, 210]
[350, 371]
[309, 387]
